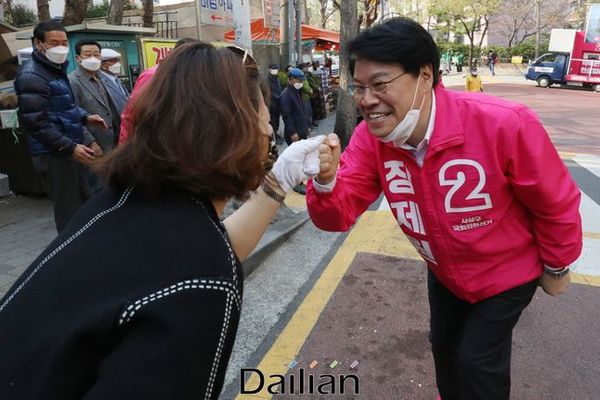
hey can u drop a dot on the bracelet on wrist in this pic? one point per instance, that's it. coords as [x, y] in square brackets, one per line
[267, 187]
[273, 182]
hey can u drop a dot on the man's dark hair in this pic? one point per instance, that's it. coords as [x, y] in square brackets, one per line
[184, 41]
[399, 41]
[85, 42]
[39, 32]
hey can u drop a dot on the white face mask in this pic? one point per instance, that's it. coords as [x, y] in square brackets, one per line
[115, 68]
[405, 128]
[58, 54]
[298, 85]
[91, 63]
[273, 72]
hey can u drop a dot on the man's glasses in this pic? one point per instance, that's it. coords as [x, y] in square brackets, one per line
[358, 91]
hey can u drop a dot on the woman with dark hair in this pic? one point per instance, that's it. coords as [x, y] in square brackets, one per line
[139, 297]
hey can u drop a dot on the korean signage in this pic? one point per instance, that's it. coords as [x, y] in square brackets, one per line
[271, 12]
[155, 50]
[216, 12]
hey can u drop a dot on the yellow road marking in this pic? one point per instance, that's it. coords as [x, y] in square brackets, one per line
[582, 279]
[376, 232]
[295, 200]
[566, 155]
[591, 235]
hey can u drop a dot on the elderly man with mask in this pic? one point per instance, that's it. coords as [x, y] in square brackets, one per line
[296, 122]
[91, 94]
[110, 70]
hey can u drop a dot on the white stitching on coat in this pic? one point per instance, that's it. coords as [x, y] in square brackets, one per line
[226, 240]
[178, 287]
[217, 360]
[64, 244]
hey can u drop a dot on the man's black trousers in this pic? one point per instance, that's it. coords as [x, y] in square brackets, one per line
[471, 343]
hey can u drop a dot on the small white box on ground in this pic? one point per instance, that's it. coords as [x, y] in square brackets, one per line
[9, 119]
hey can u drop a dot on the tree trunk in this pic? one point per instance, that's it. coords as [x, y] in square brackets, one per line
[43, 10]
[487, 23]
[75, 11]
[148, 17]
[323, 10]
[370, 13]
[307, 13]
[115, 12]
[345, 119]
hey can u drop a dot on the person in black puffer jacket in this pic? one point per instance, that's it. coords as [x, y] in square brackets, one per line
[53, 123]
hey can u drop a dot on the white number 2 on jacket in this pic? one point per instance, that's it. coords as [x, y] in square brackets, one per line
[459, 181]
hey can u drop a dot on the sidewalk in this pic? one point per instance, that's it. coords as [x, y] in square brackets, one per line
[27, 227]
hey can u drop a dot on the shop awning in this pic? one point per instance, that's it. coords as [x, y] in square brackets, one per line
[262, 33]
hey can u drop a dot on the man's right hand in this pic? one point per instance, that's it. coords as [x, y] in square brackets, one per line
[96, 149]
[83, 154]
[329, 157]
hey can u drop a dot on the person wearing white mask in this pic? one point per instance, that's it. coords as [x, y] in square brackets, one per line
[476, 186]
[295, 121]
[276, 90]
[111, 69]
[91, 94]
[54, 123]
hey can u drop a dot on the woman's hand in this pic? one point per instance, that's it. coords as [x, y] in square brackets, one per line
[298, 162]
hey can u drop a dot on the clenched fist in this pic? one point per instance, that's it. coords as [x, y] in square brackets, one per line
[329, 158]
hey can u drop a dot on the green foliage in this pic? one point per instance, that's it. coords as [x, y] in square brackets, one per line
[21, 15]
[454, 48]
[131, 6]
[97, 10]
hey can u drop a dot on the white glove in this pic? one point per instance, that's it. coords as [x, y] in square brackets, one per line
[298, 162]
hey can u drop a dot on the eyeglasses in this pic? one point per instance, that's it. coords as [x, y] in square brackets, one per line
[358, 91]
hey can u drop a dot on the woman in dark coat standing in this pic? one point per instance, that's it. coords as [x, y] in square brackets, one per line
[139, 297]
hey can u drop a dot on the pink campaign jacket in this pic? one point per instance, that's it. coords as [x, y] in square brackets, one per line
[492, 202]
[126, 117]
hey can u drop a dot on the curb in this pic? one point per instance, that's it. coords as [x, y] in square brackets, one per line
[286, 223]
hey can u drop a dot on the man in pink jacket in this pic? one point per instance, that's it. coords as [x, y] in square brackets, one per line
[476, 186]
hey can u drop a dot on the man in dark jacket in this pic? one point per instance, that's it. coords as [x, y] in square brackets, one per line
[53, 123]
[295, 120]
[275, 99]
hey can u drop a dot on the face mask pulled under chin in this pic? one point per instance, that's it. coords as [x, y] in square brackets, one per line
[91, 63]
[405, 128]
[58, 54]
